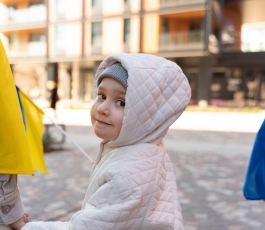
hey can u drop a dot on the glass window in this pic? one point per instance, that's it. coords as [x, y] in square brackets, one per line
[96, 33]
[127, 30]
[165, 25]
[12, 12]
[13, 41]
[61, 38]
[60, 7]
[96, 3]
[36, 37]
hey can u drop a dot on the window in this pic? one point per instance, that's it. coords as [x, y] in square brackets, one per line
[96, 3]
[61, 38]
[165, 25]
[36, 2]
[61, 7]
[127, 31]
[13, 41]
[36, 37]
[12, 12]
[96, 33]
[127, 1]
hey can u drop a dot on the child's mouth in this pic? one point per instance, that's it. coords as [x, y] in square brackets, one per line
[102, 122]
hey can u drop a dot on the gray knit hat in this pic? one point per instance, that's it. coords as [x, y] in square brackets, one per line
[115, 71]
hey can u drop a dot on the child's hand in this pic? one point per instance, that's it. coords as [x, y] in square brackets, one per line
[21, 222]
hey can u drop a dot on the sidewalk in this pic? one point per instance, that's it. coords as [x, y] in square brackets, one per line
[210, 169]
[208, 121]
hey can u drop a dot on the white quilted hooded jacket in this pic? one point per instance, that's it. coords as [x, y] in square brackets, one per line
[133, 185]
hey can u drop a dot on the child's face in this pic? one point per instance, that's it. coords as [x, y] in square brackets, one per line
[107, 112]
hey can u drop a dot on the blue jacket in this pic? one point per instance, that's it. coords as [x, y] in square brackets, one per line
[254, 188]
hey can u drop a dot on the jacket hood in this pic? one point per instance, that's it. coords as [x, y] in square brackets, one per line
[157, 94]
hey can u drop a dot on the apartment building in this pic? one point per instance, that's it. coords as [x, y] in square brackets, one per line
[219, 44]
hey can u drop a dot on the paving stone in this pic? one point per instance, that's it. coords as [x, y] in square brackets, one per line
[210, 168]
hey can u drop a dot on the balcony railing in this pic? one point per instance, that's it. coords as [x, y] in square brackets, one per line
[181, 40]
[235, 41]
[166, 3]
[253, 47]
[34, 13]
[30, 49]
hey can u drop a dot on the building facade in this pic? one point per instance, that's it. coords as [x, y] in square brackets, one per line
[219, 44]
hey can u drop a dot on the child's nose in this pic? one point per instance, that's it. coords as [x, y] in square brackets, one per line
[104, 108]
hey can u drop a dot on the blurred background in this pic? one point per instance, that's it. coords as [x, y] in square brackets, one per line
[55, 47]
[219, 44]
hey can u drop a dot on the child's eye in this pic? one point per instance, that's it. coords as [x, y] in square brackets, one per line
[120, 103]
[101, 96]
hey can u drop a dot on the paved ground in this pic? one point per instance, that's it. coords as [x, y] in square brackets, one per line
[210, 167]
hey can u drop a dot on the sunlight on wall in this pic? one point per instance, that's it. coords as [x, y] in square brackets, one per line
[113, 7]
[112, 36]
[135, 34]
[150, 5]
[151, 31]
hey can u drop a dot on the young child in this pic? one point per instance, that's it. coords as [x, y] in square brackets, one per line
[132, 183]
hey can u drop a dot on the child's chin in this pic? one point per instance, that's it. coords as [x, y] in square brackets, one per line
[101, 136]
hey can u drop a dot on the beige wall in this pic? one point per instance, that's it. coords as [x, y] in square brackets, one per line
[111, 7]
[135, 34]
[3, 14]
[52, 10]
[5, 41]
[150, 5]
[151, 34]
[135, 6]
[87, 39]
[52, 41]
[74, 9]
[112, 32]
[74, 39]
[75, 80]
[253, 11]
[88, 8]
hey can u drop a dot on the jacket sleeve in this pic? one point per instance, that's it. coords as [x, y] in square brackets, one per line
[118, 198]
[122, 199]
[10, 202]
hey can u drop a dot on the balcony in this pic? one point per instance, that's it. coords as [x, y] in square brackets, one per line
[35, 13]
[173, 3]
[30, 49]
[182, 40]
[242, 42]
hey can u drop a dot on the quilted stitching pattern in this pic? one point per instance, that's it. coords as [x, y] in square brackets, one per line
[133, 186]
[157, 94]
